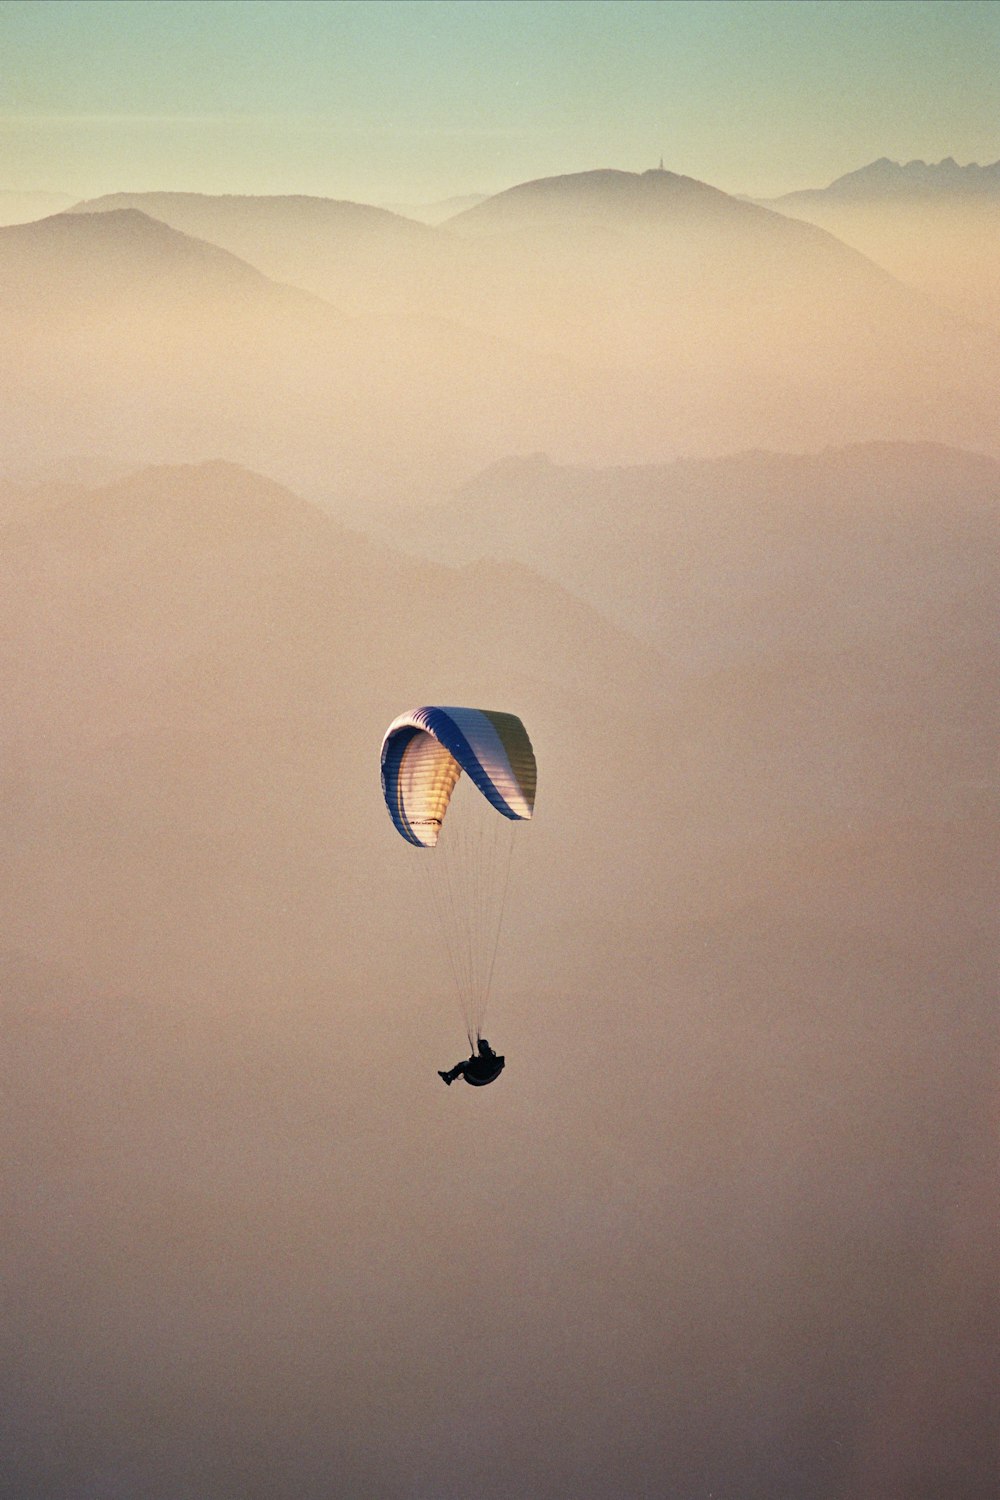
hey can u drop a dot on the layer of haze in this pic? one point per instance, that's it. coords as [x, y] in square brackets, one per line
[726, 1223]
[369, 360]
[710, 497]
[390, 102]
[935, 226]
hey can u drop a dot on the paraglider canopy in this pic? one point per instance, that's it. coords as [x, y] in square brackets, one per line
[425, 751]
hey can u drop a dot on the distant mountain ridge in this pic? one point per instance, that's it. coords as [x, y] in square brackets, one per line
[658, 546]
[604, 316]
[656, 201]
[614, 196]
[119, 249]
[331, 247]
[131, 338]
[885, 178]
[728, 1209]
[936, 226]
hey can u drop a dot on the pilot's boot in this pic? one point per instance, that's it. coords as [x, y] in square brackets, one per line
[445, 1076]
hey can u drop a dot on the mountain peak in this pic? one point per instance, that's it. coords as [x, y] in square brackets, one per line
[204, 214]
[77, 259]
[604, 194]
[885, 178]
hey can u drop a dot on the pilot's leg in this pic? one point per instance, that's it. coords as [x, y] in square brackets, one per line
[453, 1073]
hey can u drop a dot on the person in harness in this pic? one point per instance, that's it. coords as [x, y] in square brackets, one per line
[481, 1068]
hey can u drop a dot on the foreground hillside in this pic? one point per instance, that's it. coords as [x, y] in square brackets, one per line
[184, 631]
[736, 1184]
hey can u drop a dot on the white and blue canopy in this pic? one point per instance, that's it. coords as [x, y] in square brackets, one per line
[425, 751]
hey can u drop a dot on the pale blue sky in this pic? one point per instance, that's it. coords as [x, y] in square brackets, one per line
[416, 101]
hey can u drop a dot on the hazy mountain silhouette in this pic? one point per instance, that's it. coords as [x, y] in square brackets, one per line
[747, 1001]
[850, 588]
[130, 339]
[839, 538]
[618, 265]
[606, 196]
[725, 1226]
[631, 317]
[933, 225]
[892, 179]
[203, 624]
[81, 265]
[350, 253]
[721, 318]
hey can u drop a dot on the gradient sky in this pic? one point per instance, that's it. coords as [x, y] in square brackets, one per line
[419, 101]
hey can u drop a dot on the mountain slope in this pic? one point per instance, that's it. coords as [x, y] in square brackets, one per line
[606, 196]
[934, 226]
[74, 267]
[349, 253]
[836, 612]
[885, 179]
[724, 324]
[749, 980]
[129, 339]
[604, 317]
[658, 543]
[201, 660]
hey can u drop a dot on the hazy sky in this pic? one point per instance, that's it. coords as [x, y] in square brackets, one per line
[417, 101]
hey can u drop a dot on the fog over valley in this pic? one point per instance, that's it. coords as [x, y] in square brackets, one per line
[706, 492]
[603, 317]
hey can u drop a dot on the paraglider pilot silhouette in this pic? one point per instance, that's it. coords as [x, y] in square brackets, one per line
[424, 753]
[482, 1067]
